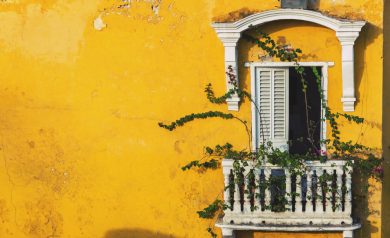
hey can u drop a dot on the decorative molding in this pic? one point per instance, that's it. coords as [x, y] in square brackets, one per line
[231, 55]
[228, 233]
[288, 64]
[289, 14]
[347, 32]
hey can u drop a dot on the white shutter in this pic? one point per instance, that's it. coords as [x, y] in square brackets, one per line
[265, 103]
[272, 102]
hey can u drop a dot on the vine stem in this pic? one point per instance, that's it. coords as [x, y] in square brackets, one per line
[310, 135]
[246, 129]
[259, 112]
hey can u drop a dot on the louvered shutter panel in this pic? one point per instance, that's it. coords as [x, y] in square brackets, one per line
[272, 101]
[265, 103]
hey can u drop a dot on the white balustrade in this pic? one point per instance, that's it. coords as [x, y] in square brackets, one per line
[308, 209]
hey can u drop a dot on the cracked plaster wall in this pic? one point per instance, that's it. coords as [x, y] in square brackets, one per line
[81, 151]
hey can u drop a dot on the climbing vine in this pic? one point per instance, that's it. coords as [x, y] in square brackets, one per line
[360, 158]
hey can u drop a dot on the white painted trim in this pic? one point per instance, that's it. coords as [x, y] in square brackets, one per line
[324, 85]
[272, 101]
[253, 107]
[347, 32]
[329, 164]
[289, 14]
[324, 228]
[287, 64]
[228, 233]
[348, 234]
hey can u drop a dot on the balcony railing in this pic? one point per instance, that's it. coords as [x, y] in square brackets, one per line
[270, 198]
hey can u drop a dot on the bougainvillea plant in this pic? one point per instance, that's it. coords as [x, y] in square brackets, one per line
[365, 161]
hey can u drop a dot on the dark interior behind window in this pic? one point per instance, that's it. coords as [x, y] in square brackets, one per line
[298, 132]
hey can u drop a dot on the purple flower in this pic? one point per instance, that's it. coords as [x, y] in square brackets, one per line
[321, 152]
[378, 170]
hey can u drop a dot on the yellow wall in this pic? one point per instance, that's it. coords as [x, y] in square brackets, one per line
[81, 152]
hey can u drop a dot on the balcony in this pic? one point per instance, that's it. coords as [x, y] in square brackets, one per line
[269, 198]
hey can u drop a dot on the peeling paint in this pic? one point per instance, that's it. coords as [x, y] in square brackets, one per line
[236, 15]
[343, 12]
[130, 9]
[155, 6]
[50, 31]
[43, 219]
[99, 24]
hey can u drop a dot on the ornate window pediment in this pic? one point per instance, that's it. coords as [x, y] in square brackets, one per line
[347, 32]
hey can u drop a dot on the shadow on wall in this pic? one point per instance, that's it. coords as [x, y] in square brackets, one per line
[386, 120]
[135, 233]
[361, 208]
[368, 35]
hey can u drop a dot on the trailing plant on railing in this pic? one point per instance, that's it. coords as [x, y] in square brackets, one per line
[362, 159]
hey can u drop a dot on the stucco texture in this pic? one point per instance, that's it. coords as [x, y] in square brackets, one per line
[81, 154]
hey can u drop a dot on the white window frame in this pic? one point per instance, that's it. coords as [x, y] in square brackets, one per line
[324, 85]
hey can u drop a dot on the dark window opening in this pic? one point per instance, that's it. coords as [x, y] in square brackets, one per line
[298, 130]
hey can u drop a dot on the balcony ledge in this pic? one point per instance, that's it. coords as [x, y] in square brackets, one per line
[228, 229]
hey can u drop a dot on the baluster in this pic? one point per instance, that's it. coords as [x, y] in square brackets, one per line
[256, 200]
[328, 195]
[309, 194]
[319, 208]
[348, 196]
[247, 185]
[298, 197]
[237, 197]
[288, 190]
[267, 197]
[339, 195]
[226, 194]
